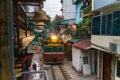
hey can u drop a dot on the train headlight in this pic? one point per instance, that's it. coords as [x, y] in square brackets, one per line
[63, 36]
[54, 37]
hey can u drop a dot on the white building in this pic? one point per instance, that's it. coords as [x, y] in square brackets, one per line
[105, 38]
[68, 11]
[81, 57]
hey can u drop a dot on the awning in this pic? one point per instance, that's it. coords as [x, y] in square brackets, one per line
[64, 22]
[85, 44]
[74, 40]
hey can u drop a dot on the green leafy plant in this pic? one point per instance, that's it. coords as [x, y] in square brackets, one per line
[86, 9]
[83, 28]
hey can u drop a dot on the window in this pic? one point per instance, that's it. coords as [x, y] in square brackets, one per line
[116, 23]
[85, 60]
[96, 25]
[103, 29]
[109, 24]
[118, 67]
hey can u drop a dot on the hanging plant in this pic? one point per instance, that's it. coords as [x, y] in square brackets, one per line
[82, 7]
[86, 9]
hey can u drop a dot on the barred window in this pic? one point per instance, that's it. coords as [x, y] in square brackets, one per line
[85, 60]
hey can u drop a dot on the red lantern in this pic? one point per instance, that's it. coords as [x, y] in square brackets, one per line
[74, 27]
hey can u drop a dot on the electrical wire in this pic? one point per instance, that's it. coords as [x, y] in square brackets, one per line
[63, 12]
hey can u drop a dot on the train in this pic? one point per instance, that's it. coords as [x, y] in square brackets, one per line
[53, 49]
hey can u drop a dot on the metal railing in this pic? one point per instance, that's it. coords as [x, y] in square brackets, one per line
[44, 72]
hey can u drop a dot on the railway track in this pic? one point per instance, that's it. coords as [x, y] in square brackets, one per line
[62, 72]
[57, 72]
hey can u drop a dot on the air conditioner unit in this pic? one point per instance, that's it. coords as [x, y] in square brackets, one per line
[115, 47]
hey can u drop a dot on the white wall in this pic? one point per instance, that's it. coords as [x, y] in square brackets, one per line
[68, 9]
[104, 40]
[117, 78]
[77, 60]
[101, 3]
[105, 6]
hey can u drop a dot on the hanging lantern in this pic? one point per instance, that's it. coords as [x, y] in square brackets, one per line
[74, 27]
[68, 37]
[40, 25]
[40, 16]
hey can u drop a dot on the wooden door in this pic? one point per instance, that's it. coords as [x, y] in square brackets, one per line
[107, 66]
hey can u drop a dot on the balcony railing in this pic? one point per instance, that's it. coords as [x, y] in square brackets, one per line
[86, 11]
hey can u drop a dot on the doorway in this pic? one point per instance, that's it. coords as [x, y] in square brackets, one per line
[107, 66]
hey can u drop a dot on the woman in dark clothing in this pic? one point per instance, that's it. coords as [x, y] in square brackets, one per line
[34, 67]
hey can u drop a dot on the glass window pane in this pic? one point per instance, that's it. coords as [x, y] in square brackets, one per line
[109, 24]
[47, 49]
[103, 29]
[96, 25]
[54, 49]
[116, 23]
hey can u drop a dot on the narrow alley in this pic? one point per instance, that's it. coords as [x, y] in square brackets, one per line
[59, 39]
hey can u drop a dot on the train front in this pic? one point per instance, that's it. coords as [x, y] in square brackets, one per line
[53, 49]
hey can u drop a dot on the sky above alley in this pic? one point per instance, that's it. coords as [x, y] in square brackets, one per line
[52, 7]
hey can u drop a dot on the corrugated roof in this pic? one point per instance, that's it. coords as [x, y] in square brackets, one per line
[84, 44]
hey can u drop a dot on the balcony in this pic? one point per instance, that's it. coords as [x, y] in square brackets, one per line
[86, 11]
